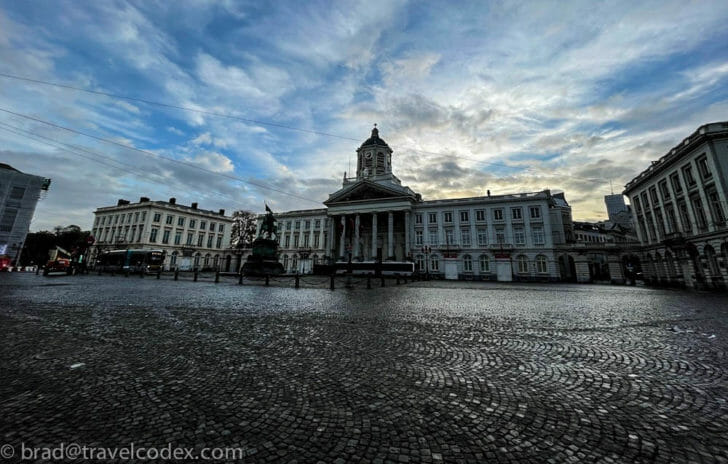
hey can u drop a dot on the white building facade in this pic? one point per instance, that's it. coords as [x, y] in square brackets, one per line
[374, 217]
[679, 209]
[19, 194]
[191, 237]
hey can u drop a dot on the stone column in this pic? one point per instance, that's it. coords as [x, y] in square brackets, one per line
[390, 234]
[374, 235]
[342, 239]
[329, 246]
[406, 234]
[356, 236]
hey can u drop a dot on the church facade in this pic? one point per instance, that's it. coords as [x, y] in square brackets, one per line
[374, 217]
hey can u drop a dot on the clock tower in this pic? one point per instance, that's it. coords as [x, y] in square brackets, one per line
[374, 158]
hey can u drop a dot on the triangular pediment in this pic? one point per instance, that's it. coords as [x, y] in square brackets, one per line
[366, 190]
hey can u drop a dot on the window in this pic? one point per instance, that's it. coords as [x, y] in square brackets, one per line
[420, 263]
[8, 219]
[538, 237]
[434, 263]
[703, 168]
[522, 264]
[193, 223]
[497, 214]
[128, 218]
[316, 240]
[480, 215]
[203, 225]
[482, 237]
[103, 220]
[173, 259]
[541, 264]
[197, 260]
[288, 241]
[212, 227]
[178, 237]
[200, 239]
[17, 193]
[467, 263]
[306, 225]
[418, 218]
[306, 238]
[136, 217]
[181, 221]
[432, 218]
[144, 216]
[285, 263]
[170, 219]
[295, 241]
[664, 190]
[165, 236]
[221, 228]
[449, 237]
[660, 222]
[519, 236]
[699, 213]
[500, 235]
[139, 237]
[465, 237]
[447, 217]
[653, 195]
[317, 224]
[298, 225]
[675, 180]
[535, 212]
[671, 219]
[210, 238]
[288, 225]
[516, 214]
[294, 264]
[464, 216]
[433, 237]
[418, 238]
[190, 237]
[716, 208]
[645, 202]
[207, 260]
[116, 219]
[153, 235]
[218, 244]
[688, 175]
[484, 263]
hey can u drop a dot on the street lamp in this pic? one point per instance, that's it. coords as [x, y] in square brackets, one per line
[427, 250]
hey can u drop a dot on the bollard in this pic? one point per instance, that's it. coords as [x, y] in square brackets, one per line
[369, 282]
[382, 281]
[297, 281]
[217, 277]
[159, 274]
[331, 286]
[240, 279]
[267, 280]
[195, 278]
[176, 273]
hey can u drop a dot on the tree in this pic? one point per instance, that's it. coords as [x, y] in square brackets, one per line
[243, 231]
[38, 244]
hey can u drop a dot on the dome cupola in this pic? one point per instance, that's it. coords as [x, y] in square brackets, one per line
[374, 157]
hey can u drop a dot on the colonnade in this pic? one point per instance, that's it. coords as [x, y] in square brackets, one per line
[350, 241]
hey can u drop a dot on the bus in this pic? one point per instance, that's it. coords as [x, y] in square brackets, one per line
[147, 261]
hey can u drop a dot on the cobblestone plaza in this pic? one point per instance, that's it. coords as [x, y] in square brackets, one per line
[424, 372]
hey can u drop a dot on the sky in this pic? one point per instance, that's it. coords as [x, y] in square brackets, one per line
[503, 96]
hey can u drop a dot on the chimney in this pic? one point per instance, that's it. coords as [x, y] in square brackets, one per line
[121, 202]
[143, 199]
[194, 206]
[222, 212]
[172, 201]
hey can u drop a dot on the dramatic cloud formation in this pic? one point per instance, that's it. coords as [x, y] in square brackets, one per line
[500, 96]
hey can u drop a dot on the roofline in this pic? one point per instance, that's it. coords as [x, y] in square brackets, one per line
[163, 204]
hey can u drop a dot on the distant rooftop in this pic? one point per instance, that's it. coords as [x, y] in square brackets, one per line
[8, 167]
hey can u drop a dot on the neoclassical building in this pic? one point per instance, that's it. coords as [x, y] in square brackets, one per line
[373, 216]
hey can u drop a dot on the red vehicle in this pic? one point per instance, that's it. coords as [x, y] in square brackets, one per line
[58, 265]
[4, 264]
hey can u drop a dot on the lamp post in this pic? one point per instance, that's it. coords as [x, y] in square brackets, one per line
[427, 250]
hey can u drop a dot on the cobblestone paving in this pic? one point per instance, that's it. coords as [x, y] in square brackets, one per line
[432, 372]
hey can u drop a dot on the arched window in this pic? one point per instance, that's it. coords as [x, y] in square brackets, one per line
[216, 260]
[173, 259]
[522, 264]
[380, 163]
[197, 260]
[420, 262]
[484, 263]
[207, 260]
[294, 265]
[541, 264]
[669, 264]
[314, 259]
[285, 263]
[434, 263]
[467, 263]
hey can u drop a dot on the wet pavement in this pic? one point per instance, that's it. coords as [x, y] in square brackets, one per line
[425, 372]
